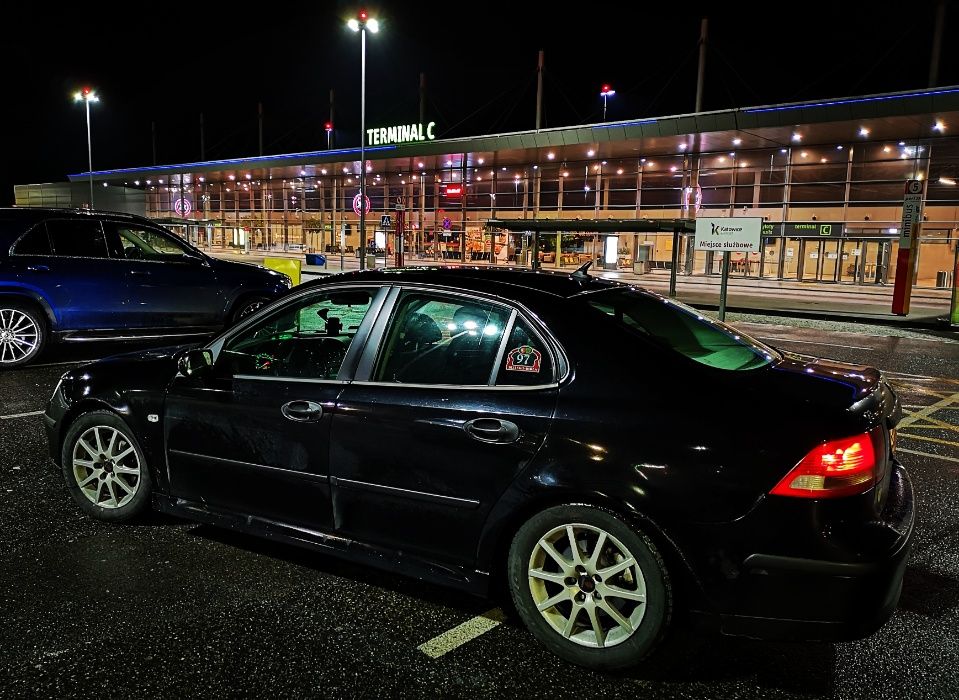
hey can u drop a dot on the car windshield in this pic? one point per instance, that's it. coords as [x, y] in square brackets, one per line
[681, 329]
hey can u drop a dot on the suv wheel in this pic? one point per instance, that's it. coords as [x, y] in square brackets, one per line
[246, 307]
[592, 589]
[22, 334]
[104, 467]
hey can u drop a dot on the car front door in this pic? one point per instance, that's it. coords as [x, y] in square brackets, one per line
[251, 435]
[440, 420]
[171, 286]
[67, 261]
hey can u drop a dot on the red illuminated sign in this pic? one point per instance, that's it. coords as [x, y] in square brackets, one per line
[454, 190]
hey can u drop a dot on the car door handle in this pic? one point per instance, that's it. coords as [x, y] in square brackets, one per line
[38, 268]
[492, 430]
[302, 411]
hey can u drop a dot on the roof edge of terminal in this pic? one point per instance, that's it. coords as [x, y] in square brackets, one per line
[750, 114]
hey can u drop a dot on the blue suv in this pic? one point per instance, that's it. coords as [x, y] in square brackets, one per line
[73, 275]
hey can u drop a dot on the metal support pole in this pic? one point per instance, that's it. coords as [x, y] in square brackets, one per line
[259, 111]
[675, 264]
[539, 90]
[89, 152]
[363, 147]
[722, 286]
[937, 43]
[703, 32]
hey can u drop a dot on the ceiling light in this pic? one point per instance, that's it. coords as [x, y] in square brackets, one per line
[947, 181]
[939, 126]
[797, 136]
[481, 161]
[863, 131]
[591, 153]
[619, 171]
[550, 155]
[737, 141]
[803, 154]
[682, 147]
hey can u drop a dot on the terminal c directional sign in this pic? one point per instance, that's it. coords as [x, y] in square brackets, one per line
[405, 133]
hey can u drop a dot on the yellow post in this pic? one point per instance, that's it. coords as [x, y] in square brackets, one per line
[288, 266]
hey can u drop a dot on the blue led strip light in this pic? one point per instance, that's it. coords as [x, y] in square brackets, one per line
[234, 161]
[853, 100]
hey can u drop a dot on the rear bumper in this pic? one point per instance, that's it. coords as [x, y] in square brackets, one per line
[814, 599]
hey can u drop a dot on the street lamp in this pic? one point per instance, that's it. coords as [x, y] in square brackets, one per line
[606, 93]
[329, 132]
[87, 96]
[360, 24]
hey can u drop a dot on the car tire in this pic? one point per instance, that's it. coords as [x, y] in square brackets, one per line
[245, 307]
[569, 594]
[105, 468]
[23, 333]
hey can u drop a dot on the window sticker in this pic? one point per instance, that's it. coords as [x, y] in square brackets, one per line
[523, 359]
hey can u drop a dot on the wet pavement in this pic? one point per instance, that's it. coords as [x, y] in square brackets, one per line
[167, 608]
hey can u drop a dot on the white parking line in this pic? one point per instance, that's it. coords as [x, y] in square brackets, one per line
[459, 635]
[21, 415]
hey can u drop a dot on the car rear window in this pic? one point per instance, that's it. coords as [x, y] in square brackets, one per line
[34, 242]
[682, 329]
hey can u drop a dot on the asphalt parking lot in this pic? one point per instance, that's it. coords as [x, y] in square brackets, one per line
[166, 608]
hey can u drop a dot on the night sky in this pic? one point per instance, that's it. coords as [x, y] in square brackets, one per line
[168, 62]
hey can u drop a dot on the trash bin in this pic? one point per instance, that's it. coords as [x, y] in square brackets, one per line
[370, 262]
[942, 279]
[315, 259]
[640, 267]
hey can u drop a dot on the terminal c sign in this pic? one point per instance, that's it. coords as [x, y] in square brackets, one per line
[405, 133]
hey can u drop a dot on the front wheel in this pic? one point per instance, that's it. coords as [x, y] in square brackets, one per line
[246, 307]
[105, 468]
[591, 588]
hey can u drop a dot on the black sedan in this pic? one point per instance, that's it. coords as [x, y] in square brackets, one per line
[610, 455]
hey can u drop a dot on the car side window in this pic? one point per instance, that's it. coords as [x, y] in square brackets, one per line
[307, 338]
[77, 238]
[527, 361]
[441, 339]
[141, 243]
[33, 242]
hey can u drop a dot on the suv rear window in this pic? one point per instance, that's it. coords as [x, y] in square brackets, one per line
[34, 242]
[682, 329]
[81, 238]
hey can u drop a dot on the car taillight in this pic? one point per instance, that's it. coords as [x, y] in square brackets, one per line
[834, 469]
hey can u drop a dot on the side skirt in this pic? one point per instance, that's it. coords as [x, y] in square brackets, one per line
[473, 582]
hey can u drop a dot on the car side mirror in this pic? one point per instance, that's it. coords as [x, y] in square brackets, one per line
[195, 361]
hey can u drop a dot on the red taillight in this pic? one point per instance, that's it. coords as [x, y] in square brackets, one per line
[836, 468]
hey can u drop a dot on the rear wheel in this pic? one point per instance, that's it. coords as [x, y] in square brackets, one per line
[104, 467]
[592, 589]
[23, 333]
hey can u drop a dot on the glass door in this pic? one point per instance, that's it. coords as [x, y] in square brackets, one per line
[829, 260]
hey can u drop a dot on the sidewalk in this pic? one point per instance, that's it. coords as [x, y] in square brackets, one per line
[867, 303]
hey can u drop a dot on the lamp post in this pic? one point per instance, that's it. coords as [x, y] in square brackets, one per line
[329, 134]
[606, 93]
[360, 24]
[86, 95]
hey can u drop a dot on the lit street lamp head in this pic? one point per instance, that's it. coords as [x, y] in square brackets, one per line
[363, 21]
[85, 95]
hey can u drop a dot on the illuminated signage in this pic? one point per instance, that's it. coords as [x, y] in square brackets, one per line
[405, 133]
[454, 190]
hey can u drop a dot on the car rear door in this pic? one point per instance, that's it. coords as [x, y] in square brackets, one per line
[68, 262]
[444, 413]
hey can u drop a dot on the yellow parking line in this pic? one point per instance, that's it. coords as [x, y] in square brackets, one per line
[459, 635]
[928, 410]
[929, 439]
[927, 454]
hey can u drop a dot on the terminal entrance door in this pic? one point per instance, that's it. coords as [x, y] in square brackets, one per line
[820, 260]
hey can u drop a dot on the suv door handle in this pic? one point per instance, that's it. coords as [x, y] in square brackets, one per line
[38, 268]
[492, 430]
[302, 411]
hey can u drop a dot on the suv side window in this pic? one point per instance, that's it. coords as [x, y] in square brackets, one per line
[77, 238]
[308, 338]
[442, 339]
[527, 360]
[33, 242]
[141, 243]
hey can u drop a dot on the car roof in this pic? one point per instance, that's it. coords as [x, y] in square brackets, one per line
[14, 221]
[509, 282]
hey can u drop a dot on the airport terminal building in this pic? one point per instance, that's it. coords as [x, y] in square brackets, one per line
[827, 178]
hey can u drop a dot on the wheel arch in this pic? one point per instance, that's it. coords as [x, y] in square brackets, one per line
[34, 300]
[80, 408]
[494, 546]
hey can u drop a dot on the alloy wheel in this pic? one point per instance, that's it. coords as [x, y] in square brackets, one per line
[587, 585]
[106, 467]
[19, 336]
